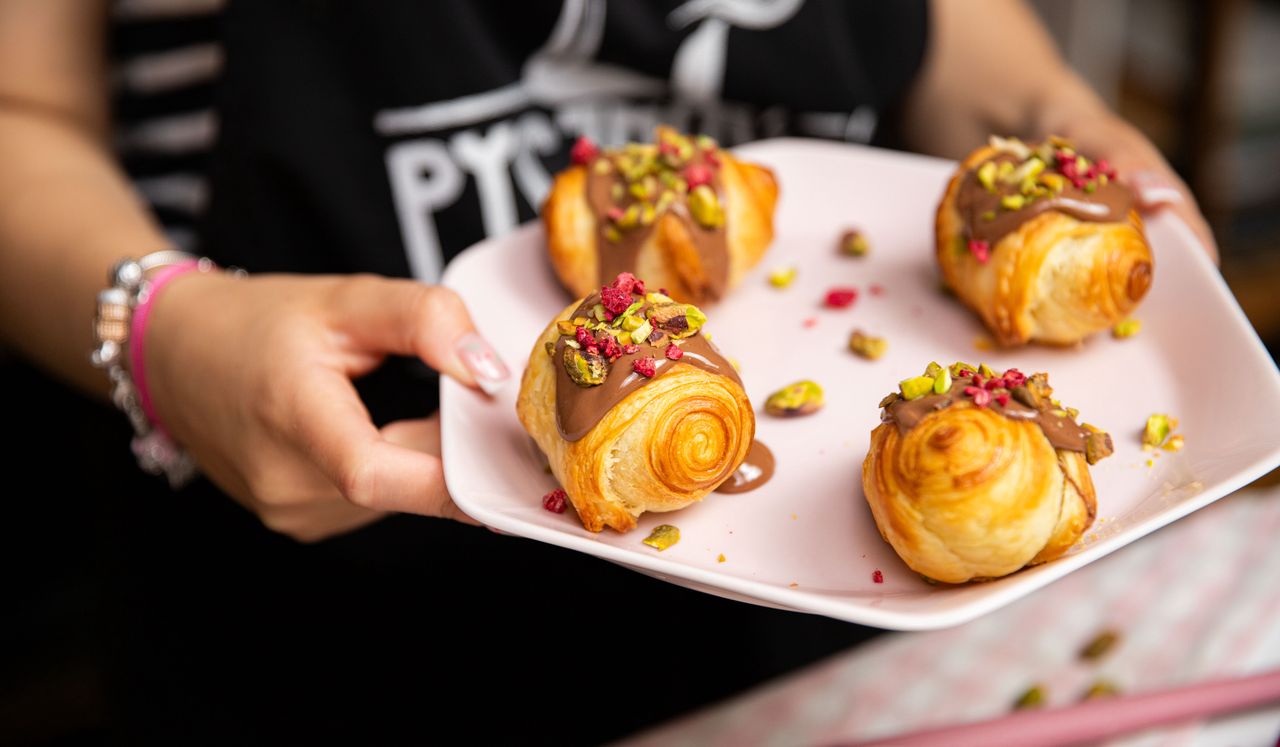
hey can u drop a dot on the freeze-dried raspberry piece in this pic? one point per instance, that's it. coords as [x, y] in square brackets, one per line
[555, 501]
[614, 299]
[584, 151]
[674, 352]
[625, 282]
[645, 367]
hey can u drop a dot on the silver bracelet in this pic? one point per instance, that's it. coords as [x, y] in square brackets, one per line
[156, 452]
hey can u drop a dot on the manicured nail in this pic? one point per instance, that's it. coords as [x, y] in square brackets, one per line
[483, 363]
[1154, 189]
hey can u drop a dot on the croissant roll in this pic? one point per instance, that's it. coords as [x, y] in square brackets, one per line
[1041, 242]
[633, 407]
[974, 475]
[684, 214]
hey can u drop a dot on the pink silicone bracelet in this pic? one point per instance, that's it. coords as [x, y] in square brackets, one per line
[138, 331]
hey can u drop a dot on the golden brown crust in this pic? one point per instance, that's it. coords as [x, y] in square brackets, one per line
[665, 446]
[669, 258]
[1054, 279]
[971, 494]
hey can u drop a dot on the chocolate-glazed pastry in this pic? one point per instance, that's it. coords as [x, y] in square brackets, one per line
[682, 213]
[633, 406]
[974, 474]
[1042, 242]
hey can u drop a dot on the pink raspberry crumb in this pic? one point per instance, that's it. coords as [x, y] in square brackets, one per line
[584, 151]
[841, 298]
[645, 367]
[877, 576]
[674, 352]
[555, 501]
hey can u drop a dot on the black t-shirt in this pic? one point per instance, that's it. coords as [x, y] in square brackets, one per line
[386, 137]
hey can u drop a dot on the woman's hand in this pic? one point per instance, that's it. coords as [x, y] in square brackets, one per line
[1140, 166]
[253, 376]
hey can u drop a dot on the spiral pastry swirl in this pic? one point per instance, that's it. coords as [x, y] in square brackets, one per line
[968, 493]
[663, 446]
[1054, 278]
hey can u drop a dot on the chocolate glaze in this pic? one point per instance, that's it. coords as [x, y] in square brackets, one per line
[754, 471]
[615, 257]
[1062, 431]
[1109, 203]
[579, 408]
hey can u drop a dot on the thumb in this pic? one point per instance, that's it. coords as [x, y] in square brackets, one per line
[431, 322]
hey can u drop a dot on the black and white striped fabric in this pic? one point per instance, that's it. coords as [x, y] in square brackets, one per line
[166, 58]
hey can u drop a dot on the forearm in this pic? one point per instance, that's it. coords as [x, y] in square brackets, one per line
[992, 68]
[67, 214]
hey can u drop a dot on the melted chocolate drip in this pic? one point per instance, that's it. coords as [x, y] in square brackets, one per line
[1062, 431]
[754, 471]
[620, 256]
[1108, 203]
[579, 408]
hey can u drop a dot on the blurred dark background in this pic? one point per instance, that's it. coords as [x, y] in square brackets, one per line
[1199, 78]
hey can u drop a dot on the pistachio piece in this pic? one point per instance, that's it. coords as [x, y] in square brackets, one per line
[648, 214]
[986, 371]
[942, 382]
[854, 244]
[1127, 328]
[1100, 689]
[989, 215]
[1156, 431]
[602, 166]
[801, 398]
[613, 235]
[705, 207]
[1004, 171]
[916, 387]
[631, 218]
[1026, 396]
[584, 368]
[933, 369]
[1011, 145]
[631, 322]
[1013, 202]
[871, 348]
[782, 277]
[889, 399]
[1032, 698]
[1175, 443]
[617, 192]
[1097, 445]
[1055, 182]
[987, 175]
[655, 297]
[1100, 645]
[662, 537]
[550, 347]
[566, 327]
[599, 312]
[1028, 169]
[959, 366]
[677, 319]
[641, 334]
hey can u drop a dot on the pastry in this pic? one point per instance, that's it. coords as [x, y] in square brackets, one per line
[1041, 242]
[633, 407]
[683, 214]
[974, 475]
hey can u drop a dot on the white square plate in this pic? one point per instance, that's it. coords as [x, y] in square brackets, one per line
[806, 540]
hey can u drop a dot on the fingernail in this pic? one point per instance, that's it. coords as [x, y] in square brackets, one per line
[482, 361]
[1153, 189]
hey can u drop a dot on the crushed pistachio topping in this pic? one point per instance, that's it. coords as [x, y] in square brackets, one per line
[1127, 328]
[984, 387]
[1101, 644]
[1034, 697]
[867, 346]
[801, 398]
[1158, 433]
[628, 321]
[662, 537]
[854, 244]
[1100, 689]
[1040, 171]
[782, 277]
[656, 178]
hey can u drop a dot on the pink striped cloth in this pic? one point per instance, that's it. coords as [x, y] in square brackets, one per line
[1199, 599]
